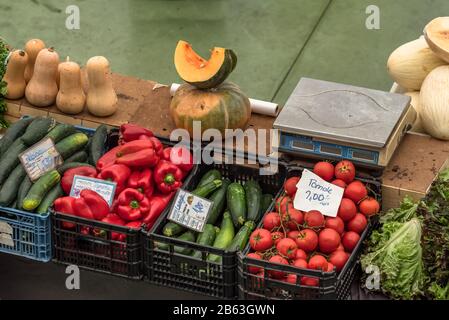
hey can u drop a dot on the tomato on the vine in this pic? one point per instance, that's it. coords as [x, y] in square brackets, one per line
[260, 240]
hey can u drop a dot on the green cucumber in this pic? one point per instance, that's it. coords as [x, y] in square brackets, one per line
[61, 131]
[224, 237]
[205, 238]
[24, 187]
[39, 190]
[80, 156]
[253, 193]
[219, 199]
[265, 203]
[14, 204]
[37, 130]
[161, 246]
[236, 200]
[207, 189]
[172, 229]
[71, 144]
[14, 132]
[188, 236]
[49, 198]
[241, 238]
[8, 192]
[209, 176]
[66, 166]
[98, 144]
[11, 159]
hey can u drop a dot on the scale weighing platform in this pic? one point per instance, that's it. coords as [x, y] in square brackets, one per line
[335, 121]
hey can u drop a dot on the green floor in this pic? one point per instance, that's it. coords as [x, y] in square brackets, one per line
[277, 41]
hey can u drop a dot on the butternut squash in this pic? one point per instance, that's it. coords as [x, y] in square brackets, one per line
[101, 98]
[14, 75]
[71, 97]
[41, 91]
[32, 48]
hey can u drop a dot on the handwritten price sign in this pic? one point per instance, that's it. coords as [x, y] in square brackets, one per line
[315, 193]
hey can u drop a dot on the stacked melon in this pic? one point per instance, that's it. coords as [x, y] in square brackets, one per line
[206, 97]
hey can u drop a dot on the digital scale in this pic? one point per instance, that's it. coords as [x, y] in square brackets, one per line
[329, 120]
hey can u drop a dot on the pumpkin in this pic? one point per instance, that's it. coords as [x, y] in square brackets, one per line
[42, 89]
[224, 107]
[32, 48]
[14, 76]
[101, 98]
[201, 73]
[434, 101]
[71, 97]
[409, 64]
[417, 125]
[436, 34]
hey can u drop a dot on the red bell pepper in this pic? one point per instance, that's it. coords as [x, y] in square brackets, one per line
[167, 176]
[157, 204]
[157, 145]
[142, 181]
[134, 224]
[117, 173]
[67, 178]
[130, 132]
[108, 159]
[65, 205]
[112, 218]
[166, 154]
[96, 203]
[142, 158]
[181, 157]
[132, 205]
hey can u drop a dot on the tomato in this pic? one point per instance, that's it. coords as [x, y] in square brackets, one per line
[292, 217]
[300, 263]
[340, 183]
[287, 247]
[317, 262]
[260, 240]
[335, 223]
[293, 234]
[307, 240]
[350, 240]
[277, 274]
[345, 171]
[291, 278]
[290, 186]
[301, 254]
[277, 236]
[281, 203]
[328, 240]
[369, 207]
[347, 209]
[330, 267]
[339, 259]
[314, 218]
[340, 248]
[271, 221]
[311, 282]
[357, 224]
[324, 170]
[253, 269]
[355, 191]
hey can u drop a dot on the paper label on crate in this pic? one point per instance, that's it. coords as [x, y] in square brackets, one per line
[190, 210]
[40, 158]
[104, 188]
[315, 193]
[6, 234]
[5, 228]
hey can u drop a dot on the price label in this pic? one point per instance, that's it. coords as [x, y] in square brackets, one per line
[6, 234]
[315, 193]
[40, 158]
[190, 210]
[106, 189]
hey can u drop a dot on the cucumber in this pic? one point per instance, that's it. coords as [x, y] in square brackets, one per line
[14, 204]
[207, 189]
[8, 192]
[219, 199]
[236, 199]
[188, 236]
[265, 203]
[39, 189]
[209, 176]
[49, 198]
[11, 159]
[61, 131]
[15, 131]
[98, 143]
[253, 193]
[161, 246]
[172, 229]
[24, 187]
[241, 238]
[66, 166]
[224, 237]
[71, 144]
[37, 130]
[205, 238]
[80, 156]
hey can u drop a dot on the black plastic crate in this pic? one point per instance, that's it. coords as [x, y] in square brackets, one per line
[332, 285]
[170, 269]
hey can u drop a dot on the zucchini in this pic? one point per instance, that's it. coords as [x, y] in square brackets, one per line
[205, 238]
[207, 189]
[11, 159]
[98, 143]
[49, 198]
[209, 176]
[71, 144]
[39, 190]
[188, 236]
[14, 132]
[219, 199]
[236, 199]
[172, 229]
[66, 166]
[14, 204]
[161, 246]
[224, 237]
[37, 129]
[80, 156]
[241, 238]
[25, 186]
[8, 192]
[61, 131]
[265, 203]
[253, 193]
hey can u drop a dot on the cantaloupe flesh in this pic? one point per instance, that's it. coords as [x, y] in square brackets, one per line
[193, 68]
